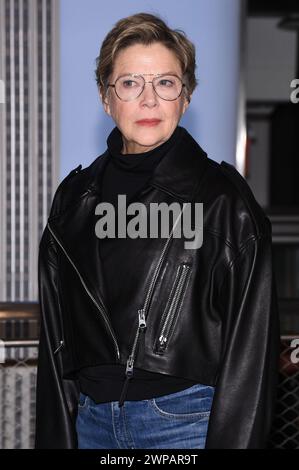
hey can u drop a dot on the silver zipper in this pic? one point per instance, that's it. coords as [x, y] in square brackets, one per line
[101, 310]
[141, 317]
[131, 358]
[142, 313]
[59, 347]
[141, 327]
[158, 267]
[173, 308]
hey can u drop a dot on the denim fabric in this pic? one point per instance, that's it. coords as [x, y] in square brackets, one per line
[175, 421]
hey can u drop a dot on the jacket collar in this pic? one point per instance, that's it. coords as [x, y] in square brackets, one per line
[178, 173]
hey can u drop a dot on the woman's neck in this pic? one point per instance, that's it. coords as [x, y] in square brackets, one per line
[133, 147]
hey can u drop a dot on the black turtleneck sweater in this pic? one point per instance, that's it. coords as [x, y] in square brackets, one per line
[125, 174]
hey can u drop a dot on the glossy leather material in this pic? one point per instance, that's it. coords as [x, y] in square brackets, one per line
[224, 328]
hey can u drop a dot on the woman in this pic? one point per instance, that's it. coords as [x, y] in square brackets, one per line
[147, 342]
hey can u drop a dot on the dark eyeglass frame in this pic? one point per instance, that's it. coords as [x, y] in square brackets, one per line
[113, 85]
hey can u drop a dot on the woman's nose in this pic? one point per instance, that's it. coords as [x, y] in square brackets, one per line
[149, 96]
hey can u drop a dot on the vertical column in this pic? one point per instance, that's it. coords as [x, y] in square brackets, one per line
[21, 230]
[28, 148]
[3, 176]
[33, 155]
[12, 155]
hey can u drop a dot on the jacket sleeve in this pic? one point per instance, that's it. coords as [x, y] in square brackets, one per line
[245, 391]
[55, 396]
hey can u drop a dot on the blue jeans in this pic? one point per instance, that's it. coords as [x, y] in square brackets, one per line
[175, 421]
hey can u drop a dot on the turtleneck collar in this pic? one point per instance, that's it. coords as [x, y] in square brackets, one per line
[137, 162]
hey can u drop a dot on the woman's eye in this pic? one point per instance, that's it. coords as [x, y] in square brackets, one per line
[129, 83]
[165, 83]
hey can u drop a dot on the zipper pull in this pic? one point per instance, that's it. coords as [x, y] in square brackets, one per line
[129, 375]
[162, 341]
[59, 347]
[142, 321]
[130, 366]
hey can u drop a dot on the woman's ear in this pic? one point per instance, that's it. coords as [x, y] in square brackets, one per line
[104, 99]
[187, 100]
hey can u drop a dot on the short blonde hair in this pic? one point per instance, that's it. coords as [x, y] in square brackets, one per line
[144, 28]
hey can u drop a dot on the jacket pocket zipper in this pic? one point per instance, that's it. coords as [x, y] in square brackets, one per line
[100, 309]
[173, 308]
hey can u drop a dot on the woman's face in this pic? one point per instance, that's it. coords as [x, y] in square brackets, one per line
[141, 59]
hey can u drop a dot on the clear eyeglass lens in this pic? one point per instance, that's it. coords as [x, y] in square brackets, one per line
[129, 87]
[168, 87]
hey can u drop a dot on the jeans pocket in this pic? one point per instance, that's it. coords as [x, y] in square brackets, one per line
[192, 403]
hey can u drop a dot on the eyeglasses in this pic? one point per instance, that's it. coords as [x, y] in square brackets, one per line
[129, 87]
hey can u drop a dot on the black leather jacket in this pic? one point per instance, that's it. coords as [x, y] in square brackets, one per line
[222, 332]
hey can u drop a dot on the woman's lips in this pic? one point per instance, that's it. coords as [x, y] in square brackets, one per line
[148, 122]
